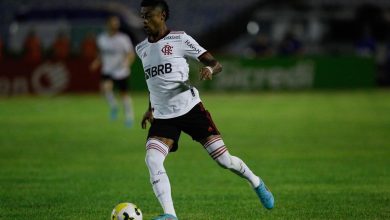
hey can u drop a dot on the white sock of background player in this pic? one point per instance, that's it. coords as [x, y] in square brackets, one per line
[128, 106]
[110, 97]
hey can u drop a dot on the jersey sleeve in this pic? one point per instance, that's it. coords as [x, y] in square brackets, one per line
[136, 51]
[191, 48]
[99, 42]
[128, 46]
[139, 48]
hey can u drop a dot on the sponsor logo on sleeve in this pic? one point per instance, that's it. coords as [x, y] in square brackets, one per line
[192, 46]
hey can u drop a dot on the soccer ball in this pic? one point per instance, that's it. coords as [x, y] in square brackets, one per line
[126, 211]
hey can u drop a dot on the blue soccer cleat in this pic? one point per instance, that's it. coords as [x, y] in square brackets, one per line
[113, 113]
[165, 217]
[265, 196]
[129, 123]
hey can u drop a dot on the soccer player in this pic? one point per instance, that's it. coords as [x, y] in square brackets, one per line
[116, 55]
[175, 105]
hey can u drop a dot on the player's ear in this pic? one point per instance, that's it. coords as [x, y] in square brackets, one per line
[163, 15]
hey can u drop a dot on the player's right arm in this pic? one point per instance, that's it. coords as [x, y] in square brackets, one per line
[96, 63]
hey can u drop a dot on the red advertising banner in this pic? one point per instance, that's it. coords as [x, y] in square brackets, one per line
[18, 77]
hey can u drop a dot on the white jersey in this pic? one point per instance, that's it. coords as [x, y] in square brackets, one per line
[167, 71]
[114, 51]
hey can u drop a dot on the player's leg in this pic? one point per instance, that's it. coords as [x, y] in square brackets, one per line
[199, 124]
[107, 88]
[163, 137]
[218, 151]
[157, 150]
[128, 107]
[127, 102]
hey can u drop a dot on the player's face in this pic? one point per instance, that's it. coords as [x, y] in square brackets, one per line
[113, 23]
[154, 19]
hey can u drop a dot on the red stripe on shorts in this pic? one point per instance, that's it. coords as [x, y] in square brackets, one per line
[208, 115]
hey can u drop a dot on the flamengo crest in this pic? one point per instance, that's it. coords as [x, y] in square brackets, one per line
[167, 50]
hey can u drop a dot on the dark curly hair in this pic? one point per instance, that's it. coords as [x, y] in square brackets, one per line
[157, 3]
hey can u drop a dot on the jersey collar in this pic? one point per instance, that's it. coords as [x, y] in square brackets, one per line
[166, 34]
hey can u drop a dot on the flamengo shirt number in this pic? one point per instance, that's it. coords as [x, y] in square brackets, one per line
[167, 71]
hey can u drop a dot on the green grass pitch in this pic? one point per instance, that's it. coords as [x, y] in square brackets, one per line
[325, 155]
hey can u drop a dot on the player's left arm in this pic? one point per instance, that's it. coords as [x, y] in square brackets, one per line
[130, 53]
[130, 57]
[211, 66]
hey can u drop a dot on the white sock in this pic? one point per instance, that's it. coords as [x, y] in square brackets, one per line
[110, 97]
[218, 151]
[127, 104]
[156, 151]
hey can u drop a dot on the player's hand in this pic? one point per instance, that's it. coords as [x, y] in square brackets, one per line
[94, 66]
[125, 63]
[206, 73]
[148, 117]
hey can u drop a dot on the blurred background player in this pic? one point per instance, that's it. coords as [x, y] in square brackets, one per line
[175, 106]
[116, 55]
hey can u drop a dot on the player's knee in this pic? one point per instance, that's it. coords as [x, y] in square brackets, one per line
[155, 153]
[149, 159]
[152, 160]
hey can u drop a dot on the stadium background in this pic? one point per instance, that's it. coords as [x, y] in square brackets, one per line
[309, 79]
[316, 44]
